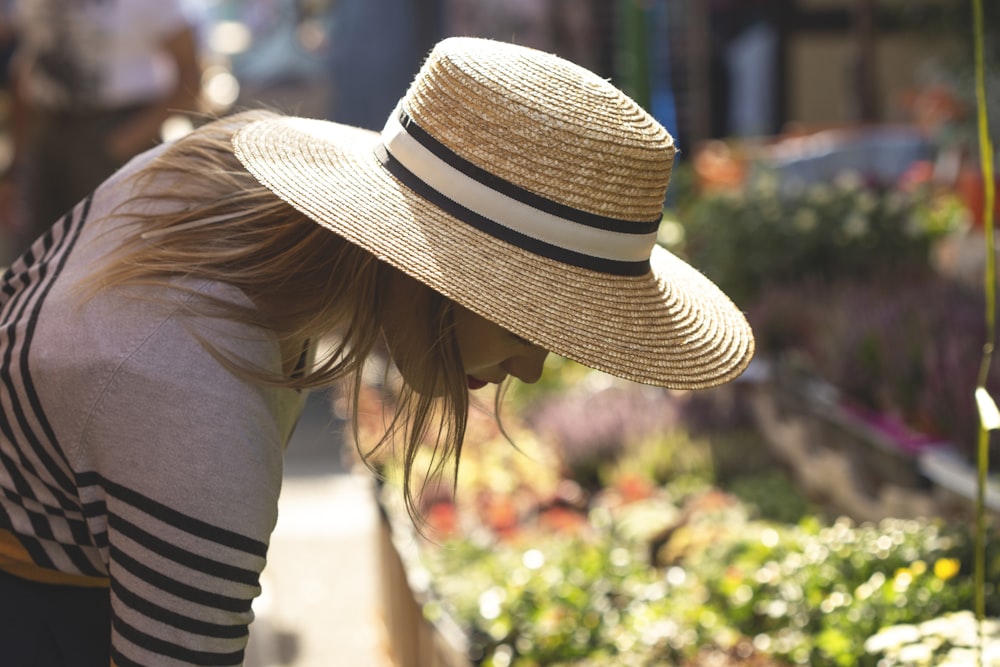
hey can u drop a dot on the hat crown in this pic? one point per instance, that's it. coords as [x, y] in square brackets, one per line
[527, 190]
[544, 124]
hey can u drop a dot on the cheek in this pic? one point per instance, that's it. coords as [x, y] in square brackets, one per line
[481, 347]
[479, 359]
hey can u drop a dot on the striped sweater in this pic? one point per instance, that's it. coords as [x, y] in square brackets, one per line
[129, 457]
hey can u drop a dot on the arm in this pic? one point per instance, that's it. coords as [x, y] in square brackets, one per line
[184, 462]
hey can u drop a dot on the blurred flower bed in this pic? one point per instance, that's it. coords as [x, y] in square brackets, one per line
[766, 231]
[623, 531]
[865, 283]
[635, 526]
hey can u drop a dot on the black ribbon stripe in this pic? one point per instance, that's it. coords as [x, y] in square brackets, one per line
[513, 191]
[499, 231]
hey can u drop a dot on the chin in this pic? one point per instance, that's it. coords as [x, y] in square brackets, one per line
[419, 380]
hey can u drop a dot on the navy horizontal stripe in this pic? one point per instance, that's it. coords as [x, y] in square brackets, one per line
[174, 587]
[96, 508]
[173, 619]
[499, 231]
[119, 659]
[101, 540]
[182, 556]
[514, 191]
[172, 517]
[169, 649]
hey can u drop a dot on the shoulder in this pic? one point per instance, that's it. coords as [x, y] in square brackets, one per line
[131, 354]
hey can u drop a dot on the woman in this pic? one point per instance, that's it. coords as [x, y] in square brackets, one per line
[156, 342]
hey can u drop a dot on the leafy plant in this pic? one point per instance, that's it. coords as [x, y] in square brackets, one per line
[805, 594]
[654, 566]
[758, 236]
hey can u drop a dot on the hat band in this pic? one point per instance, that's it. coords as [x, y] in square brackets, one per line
[509, 212]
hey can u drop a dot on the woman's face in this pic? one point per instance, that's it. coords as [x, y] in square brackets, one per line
[489, 353]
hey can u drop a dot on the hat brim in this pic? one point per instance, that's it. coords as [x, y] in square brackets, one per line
[671, 327]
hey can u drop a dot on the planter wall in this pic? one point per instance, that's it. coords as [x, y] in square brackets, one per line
[414, 640]
[838, 459]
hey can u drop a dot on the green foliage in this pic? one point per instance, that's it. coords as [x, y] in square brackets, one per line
[664, 569]
[564, 600]
[750, 239]
[807, 594]
[817, 592]
[773, 497]
[560, 374]
[660, 458]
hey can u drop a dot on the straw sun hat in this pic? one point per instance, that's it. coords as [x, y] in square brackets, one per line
[528, 190]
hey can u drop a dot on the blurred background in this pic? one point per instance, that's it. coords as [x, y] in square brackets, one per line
[763, 71]
[829, 180]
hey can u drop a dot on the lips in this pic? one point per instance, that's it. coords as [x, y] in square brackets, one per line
[474, 383]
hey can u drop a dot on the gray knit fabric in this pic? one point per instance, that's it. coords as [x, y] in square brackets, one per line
[127, 451]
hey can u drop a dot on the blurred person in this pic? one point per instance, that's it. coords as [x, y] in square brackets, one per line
[743, 64]
[157, 342]
[92, 82]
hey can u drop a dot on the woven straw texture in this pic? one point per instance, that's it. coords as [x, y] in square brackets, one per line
[554, 129]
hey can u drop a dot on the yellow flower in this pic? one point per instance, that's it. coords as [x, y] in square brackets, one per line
[946, 568]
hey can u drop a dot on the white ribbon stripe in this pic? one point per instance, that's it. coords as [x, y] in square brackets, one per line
[509, 212]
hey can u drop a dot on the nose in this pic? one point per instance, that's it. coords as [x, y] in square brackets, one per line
[527, 366]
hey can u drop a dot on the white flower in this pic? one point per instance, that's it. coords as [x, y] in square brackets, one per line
[960, 657]
[950, 625]
[533, 559]
[491, 603]
[820, 194]
[866, 202]
[856, 225]
[893, 637]
[916, 654]
[767, 183]
[805, 219]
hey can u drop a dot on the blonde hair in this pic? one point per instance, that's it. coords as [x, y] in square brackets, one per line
[305, 283]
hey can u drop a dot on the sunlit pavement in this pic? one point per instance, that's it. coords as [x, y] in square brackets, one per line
[320, 601]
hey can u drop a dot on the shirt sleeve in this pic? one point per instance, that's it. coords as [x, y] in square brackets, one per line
[184, 460]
